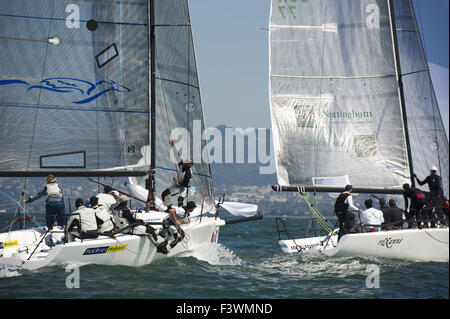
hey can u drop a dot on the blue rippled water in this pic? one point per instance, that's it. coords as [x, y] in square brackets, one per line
[246, 264]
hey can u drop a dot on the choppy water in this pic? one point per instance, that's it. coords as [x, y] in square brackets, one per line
[247, 263]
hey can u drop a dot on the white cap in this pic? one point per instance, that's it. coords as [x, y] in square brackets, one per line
[433, 168]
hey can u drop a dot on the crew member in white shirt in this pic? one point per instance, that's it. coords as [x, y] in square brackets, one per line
[371, 217]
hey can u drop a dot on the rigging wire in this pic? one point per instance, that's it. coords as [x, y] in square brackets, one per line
[321, 220]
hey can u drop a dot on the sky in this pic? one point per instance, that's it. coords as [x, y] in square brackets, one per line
[232, 57]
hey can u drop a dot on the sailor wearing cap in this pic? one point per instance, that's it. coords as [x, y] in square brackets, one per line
[434, 182]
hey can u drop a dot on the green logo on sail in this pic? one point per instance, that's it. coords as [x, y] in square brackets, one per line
[305, 116]
[288, 10]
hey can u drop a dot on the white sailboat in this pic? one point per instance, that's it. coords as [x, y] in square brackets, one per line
[352, 103]
[93, 89]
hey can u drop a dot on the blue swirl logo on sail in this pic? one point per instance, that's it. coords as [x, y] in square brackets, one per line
[89, 91]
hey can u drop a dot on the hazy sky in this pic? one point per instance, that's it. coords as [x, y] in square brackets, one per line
[232, 57]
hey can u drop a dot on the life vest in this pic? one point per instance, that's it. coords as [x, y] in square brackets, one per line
[87, 218]
[106, 217]
[53, 191]
[119, 220]
[106, 200]
[341, 205]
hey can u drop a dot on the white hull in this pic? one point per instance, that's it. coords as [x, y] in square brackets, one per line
[124, 249]
[310, 244]
[430, 244]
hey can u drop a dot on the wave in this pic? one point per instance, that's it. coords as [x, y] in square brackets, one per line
[7, 271]
[215, 254]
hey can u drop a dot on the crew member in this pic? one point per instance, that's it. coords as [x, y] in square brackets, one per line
[107, 198]
[417, 203]
[393, 216]
[124, 217]
[104, 218]
[434, 182]
[342, 207]
[54, 203]
[371, 217]
[83, 224]
[176, 218]
[180, 183]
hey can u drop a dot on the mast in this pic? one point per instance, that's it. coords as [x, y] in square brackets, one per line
[400, 88]
[150, 182]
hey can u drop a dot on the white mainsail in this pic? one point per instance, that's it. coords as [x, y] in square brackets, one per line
[334, 95]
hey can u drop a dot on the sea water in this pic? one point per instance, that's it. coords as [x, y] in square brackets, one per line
[247, 263]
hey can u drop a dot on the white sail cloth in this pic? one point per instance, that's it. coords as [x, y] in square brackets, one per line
[141, 193]
[240, 209]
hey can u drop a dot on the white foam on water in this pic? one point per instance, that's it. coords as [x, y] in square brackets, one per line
[215, 254]
[311, 266]
[7, 271]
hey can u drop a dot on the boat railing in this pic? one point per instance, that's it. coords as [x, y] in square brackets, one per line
[313, 227]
